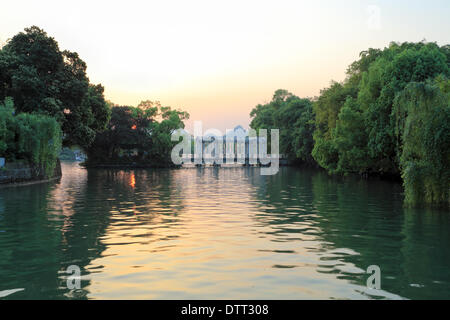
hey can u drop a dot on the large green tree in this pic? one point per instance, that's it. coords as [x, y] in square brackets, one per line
[326, 109]
[43, 79]
[386, 78]
[31, 137]
[294, 118]
[422, 119]
[145, 129]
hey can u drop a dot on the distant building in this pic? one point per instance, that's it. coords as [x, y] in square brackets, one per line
[236, 146]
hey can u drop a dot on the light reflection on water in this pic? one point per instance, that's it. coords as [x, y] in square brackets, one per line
[218, 233]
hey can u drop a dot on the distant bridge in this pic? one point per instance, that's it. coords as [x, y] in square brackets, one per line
[233, 149]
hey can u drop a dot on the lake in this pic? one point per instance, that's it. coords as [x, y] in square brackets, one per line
[218, 233]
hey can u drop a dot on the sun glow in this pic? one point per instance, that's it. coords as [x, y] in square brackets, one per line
[217, 60]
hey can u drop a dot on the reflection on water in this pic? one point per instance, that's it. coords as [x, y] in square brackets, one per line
[218, 233]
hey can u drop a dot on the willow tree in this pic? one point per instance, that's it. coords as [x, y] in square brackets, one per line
[31, 137]
[422, 113]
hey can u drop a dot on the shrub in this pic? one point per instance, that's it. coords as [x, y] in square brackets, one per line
[31, 137]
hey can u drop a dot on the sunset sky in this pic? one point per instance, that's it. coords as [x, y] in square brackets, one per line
[218, 59]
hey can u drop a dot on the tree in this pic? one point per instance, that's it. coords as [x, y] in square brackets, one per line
[137, 129]
[42, 79]
[361, 138]
[326, 109]
[161, 133]
[350, 140]
[425, 136]
[387, 76]
[128, 128]
[293, 116]
[30, 137]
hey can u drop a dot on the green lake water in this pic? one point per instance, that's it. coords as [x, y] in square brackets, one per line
[218, 233]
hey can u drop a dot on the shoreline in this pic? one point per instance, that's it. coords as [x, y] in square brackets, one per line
[24, 174]
[27, 183]
[368, 176]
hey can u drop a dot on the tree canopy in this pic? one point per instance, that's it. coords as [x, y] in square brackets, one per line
[30, 137]
[422, 120]
[43, 79]
[139, 134]
[294, 117]
[388, 117]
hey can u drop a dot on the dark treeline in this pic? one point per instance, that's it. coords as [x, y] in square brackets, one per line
[391, 116]
[135, 136]
[47, 101]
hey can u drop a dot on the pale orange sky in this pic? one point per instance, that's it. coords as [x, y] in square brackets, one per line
[218, 59]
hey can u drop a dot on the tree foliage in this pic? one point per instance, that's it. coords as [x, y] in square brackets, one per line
[140, 135]
[294, 118]
[422, 114]
[388, 117]
[30, 137]
[43, 79]
[372, 84]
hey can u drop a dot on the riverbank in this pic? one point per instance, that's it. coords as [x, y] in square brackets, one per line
[130, 165]
[169, 165]
[22, 173]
